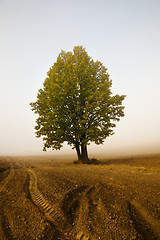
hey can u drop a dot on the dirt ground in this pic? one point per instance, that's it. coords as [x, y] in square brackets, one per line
[45, 198]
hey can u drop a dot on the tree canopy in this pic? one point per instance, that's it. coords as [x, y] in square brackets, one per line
[76, 104]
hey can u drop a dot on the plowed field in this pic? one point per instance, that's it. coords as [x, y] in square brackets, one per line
[45, 198]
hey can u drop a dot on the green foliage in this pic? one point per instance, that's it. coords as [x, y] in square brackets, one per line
[76, 104]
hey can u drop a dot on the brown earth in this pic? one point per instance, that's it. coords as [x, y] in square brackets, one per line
[45, 198]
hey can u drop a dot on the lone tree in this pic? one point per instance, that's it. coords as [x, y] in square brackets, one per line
[76, 104]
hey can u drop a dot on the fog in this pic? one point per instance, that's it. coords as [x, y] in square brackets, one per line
[123, 35]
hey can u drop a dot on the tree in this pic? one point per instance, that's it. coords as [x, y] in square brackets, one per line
[76, 103]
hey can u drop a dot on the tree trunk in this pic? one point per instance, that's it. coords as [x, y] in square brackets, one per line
[84, 153]
[78, 150]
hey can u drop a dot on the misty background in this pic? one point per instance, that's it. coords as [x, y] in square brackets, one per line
[124, 35]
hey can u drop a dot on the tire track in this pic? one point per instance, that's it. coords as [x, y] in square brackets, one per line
[94, 212]
[70, 203]
[38, 198]
[86, 213]
[145, 224]
[9, 177]
[75, 207]
[59, 226]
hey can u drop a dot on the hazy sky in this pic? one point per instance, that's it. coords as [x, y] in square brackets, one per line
[124, 35]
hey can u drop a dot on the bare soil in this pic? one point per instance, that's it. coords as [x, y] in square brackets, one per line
[45, 198]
